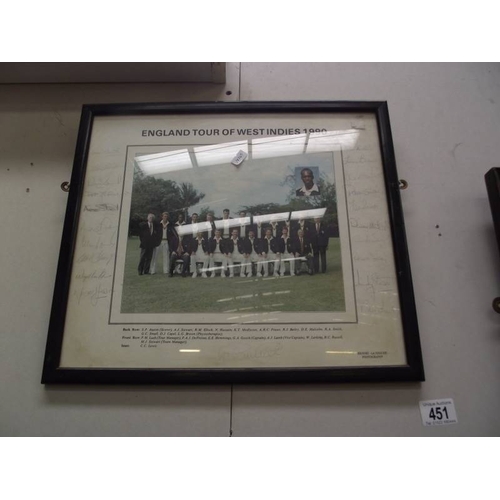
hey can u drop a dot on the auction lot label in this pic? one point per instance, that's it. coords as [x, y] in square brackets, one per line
[438, 412]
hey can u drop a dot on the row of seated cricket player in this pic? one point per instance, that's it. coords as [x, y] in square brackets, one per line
[245, 249]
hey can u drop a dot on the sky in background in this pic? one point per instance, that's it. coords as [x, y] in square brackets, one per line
[252, 183]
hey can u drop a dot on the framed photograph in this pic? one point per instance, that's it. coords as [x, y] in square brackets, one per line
[256, 242]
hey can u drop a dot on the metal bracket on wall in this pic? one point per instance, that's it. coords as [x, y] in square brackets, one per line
[496, 305]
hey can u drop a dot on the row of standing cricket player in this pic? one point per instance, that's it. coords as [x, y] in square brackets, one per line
[228, 245]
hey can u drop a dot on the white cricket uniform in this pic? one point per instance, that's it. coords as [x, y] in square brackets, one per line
[236, 256]
[199, 256]
[263, 264]
[252, 258]
[218, 256]
[163, 250]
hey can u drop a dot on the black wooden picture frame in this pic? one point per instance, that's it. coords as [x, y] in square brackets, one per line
[411, 370]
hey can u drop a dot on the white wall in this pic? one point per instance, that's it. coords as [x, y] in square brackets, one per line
[445, 120]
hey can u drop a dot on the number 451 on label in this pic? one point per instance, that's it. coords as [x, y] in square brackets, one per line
[438, 412]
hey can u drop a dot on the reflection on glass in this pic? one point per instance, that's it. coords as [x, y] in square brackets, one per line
[312, 213]
[243, 221]
[263, 219]
[192, 229]
[267, 147]
[270, 147]
[227, 223]
[160, 163]
[333, 140]
[216, 154]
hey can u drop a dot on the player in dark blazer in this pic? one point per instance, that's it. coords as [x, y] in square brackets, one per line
[179, 250]
[166, 228]
[299, 224]
[259, 228]
[286, 250]
[302, 251]
[191, 230]
[277, 228]
[210, 233]
[216, 240]
[270, 252]
[244, 225]
[150, 238]
[216, 253]
[198, 250]
[251, 246]
[269, 243]
[194, 244]
[234, 249]
[319, 241]
[225, 224]
[233, 243]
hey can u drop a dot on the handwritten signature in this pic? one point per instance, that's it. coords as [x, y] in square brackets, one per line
[94, 295]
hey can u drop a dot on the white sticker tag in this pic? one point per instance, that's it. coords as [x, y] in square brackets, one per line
[239, 158]
[438, 412]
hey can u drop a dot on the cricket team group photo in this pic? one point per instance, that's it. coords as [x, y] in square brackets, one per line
[271, 249]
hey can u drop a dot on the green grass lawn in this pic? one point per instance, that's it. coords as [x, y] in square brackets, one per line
[161, 294]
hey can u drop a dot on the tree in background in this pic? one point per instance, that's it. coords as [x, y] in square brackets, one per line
[203, 213]
[150, 194]
[188, 196]
[263, 208]
[328, 199]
